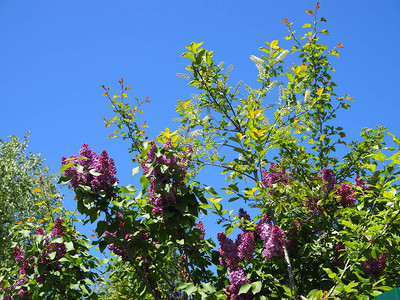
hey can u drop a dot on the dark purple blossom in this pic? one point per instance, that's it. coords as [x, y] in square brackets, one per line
[274, 176]
[228, 251]
[129, 240]
[347, 195]
[338, 253]
[167, 173]
[361, 183]
[244, 217]
[97, 172]
[375, 267]
[328, 176]
[200, 226]
[237, 278]
[58, 229]
[19, 255]
[245, 249]
[40, 231]
[274, 242]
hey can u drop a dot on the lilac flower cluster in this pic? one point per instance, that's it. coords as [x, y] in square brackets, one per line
[228, 250]
[168, 170]
[347, 194]
[129, 240]
[27, 264]
[237, 278]
[91, 163]
[274, 240]
[338, 257]
[273, 176]
[375, 267]
[233, 253]
[273, 237]
[245, 248]
[328, 176]
[361, 183]
[200, 226]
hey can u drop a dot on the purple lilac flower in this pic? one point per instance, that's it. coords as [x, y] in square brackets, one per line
[58, 228]
[91, 161]
[338, 257]
[361, 183]
[228, 251]
[25, 266]
[168, 169]
[375, 267]
[237, 278]
[40, 231]
[200, 226]
[347, 195]
[245, 249]
[274, 243]
[263, 226]
[273, 176]
[129, 239]
[19, 255]
[328, 176]
[243, 216]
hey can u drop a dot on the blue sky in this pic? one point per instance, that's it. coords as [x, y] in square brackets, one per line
[56, 55]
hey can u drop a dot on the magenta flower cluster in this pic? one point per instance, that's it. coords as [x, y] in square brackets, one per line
[200, 226]
[361, 183]
[375, 267]
[167, 172]
[129, 239]
[234, 253]
[27, 264]
[338, 253]
[328, 176]
[93, 165]
[272, 236]
[237, 278]
[347, 195]
[273, 176]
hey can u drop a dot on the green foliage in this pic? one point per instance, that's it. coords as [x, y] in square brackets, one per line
[27, 191]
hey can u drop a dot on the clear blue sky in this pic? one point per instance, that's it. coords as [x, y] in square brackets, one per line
[55, 55]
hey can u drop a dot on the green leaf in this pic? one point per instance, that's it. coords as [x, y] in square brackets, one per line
[101, 227]
[135, 171]
[256, 287]
[244, 288]
[144, 181]
[211, 191]
[69, 246]
[94, 172]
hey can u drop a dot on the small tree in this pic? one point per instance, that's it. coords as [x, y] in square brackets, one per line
[27, 191]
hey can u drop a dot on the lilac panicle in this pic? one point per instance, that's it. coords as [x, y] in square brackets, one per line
[361, 183]
[274, 242]
[91, 161]
[375, 267]
[243, 217]
[228, 251]
[167, 170]
[245, 249]
[328, 176]
[274, 175]
[200, 226]
[347, 195]
[58, 228]
[237, 278]
[19, 255]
